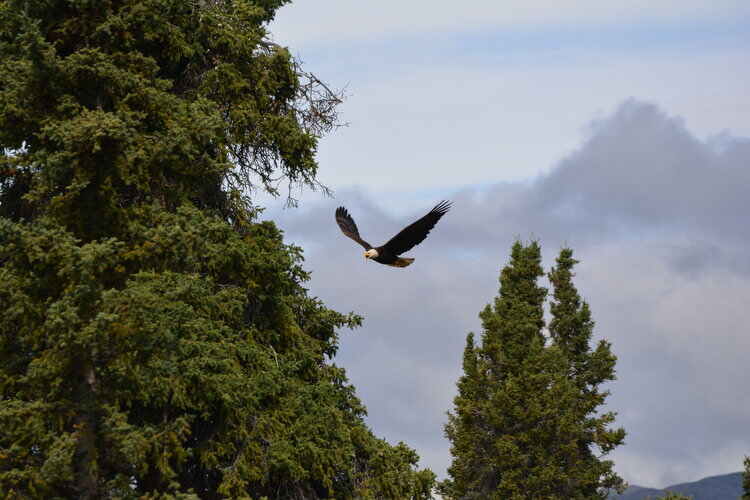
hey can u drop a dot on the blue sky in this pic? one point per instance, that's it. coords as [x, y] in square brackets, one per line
[621, 130]
[523, 45]
[425, 87]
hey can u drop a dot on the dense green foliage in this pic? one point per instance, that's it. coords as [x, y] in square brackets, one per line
[205, 370]
[525, 422]
[157, 340]
[746, 480]
[106, 105]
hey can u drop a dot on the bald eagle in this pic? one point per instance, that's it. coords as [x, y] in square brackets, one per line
[408, 237]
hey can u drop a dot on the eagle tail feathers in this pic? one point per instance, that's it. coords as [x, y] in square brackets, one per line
[403, 261]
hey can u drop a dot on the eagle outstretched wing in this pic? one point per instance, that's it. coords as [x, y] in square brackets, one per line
[415, 233]
[349, 227]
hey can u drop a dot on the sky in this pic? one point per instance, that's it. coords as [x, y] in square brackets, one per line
[622, 132]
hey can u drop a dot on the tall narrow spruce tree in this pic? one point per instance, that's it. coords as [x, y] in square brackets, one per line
[497, 409]
[156, 339]
[524, 423]
[746, 480]
[584, 435]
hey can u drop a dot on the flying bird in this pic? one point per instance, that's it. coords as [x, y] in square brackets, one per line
[405, 240]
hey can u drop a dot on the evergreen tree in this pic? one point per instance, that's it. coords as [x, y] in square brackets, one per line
[746, 480]
[156, 339]
[583, 436]
[524, 422]
[497, 410]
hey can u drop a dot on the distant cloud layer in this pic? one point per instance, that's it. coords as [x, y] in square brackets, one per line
[342, 20]
[658, 219]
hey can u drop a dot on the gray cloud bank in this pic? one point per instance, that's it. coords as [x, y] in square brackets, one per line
[659, 221]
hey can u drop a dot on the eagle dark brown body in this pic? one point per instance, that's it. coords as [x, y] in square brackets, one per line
[405, 240]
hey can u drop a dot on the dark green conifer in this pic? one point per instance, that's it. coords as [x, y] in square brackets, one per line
[156, 339]
[524, 422]
[746, 480]
[584, 435]
[497, 408]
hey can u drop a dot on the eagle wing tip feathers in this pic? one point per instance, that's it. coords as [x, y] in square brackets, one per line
[443, 206]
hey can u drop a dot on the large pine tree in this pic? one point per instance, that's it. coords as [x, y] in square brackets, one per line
[156, 339]
[524, 423]
[746, 480]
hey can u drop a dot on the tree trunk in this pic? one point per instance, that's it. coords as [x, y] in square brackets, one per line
[85, 459]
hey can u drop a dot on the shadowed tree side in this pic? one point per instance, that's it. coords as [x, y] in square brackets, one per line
[524, 424]
[157, 340]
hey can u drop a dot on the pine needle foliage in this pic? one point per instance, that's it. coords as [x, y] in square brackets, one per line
[525, 422]
[157, 339]
[746, 480]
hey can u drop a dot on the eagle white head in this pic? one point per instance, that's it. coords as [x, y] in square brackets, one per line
[371, 254]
